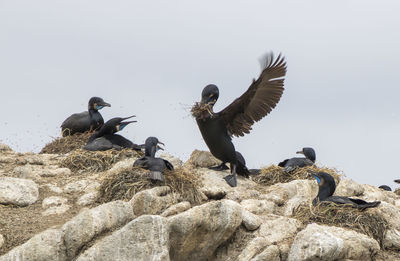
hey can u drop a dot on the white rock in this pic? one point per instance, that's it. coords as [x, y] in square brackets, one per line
[252, 248]
[45, 246]
[77, 186]
[54, 188]
[349, 188]
[202, 159]
[145, 238]
[258, 207]
[317, 242]
[25, 172]
[4, 148]
[176, 162]
[271, 253]
[152, 201]
[59, 172]
[53, 201]
[88, 198]
[278, 228]
[20, 192]
[176, 209]
[250, 221]
[2, 241]
[56, 210]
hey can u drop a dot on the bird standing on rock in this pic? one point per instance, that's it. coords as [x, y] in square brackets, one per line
[327, 187]
[105, 138]
[85, 121]
[150, 162]
[236, 119]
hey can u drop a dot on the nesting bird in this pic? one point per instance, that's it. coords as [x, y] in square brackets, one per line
[385, 187]
[308, 160]
[150, 162]
[326, 189]
[85, 121]
[236, 119]
[105, 138]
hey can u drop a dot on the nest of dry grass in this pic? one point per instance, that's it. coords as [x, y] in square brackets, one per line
[274, 174]
[66, 144]
[124, 185]
[366, 222]
[94, 161]
[199, 110]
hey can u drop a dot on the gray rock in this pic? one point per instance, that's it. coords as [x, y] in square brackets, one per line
[176, 209]
[176, 162]
[5, 148]
[278, 228]
[271, 253]
[152, 201]
[77, 186]
[88, 198]
[202, 159]
[20, 192]
[54, 188]
[317, 242]
[258, 207]
[45, 246]
[25, 172]
[145, 238]
[90, 223]
[2, 241]
[252, 248]
[250, 221]
[53, 201]
[195, 234]
[64, 172]
[349, 188]
[56, 210]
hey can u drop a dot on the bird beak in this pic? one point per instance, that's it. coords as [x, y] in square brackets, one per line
[159, 147]
[299, 152]
[129, 118]
[100, 105]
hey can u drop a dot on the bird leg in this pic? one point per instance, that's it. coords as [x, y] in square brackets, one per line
[220, 167]
[231, 179]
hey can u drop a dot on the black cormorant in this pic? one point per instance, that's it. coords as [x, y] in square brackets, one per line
[105, 138]
[397, 180]
[236, 119]
[85, 121]
[385, 187]
[150, 162]
[326, 189]
[291, 164]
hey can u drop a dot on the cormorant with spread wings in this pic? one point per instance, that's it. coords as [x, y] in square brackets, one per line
[236, 119]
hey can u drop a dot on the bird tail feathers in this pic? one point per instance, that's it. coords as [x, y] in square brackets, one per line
[156, 175]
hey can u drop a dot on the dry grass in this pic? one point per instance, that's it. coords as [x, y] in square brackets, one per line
[127, 183]
[366, 222]
[275, 174]
[95, 161]
[66, 144]
[199, 110]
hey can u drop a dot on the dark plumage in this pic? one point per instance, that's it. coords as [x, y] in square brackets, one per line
[150, 162]
[85, 121]
[397, 180]
[291, 164]
[385, 187]
[237, 118]
[105, 138]
[326, 189]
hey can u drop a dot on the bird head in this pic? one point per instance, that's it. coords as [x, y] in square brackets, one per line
[97, 103]
[309, 153]
[116, 124]
[209, 95]
[152, 144]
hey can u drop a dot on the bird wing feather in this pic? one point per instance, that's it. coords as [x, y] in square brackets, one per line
[259, 99]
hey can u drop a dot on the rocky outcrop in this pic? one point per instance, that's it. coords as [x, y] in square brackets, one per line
[19, 192]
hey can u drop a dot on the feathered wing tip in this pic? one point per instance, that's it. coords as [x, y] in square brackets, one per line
[267, 60]
[369, 205]
[156, 175]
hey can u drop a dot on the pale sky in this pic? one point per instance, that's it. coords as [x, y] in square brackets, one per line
[153, 58]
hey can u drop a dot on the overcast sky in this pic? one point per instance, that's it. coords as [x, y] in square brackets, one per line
[153, 58]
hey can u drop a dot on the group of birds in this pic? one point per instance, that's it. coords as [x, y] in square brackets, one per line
[217, 130]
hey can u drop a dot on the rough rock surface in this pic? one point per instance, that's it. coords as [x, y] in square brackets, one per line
[318, 242]
[152, 201]
[19, 192]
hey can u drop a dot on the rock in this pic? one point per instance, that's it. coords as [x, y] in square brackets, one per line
[145, 238]
[5, 148]
[56, 210]
[258, 207]
[152, 201]
[54, 188]
[19, 192]
[121, 166]
[349, 188]
[176, 209]
[202, 159]
[45, 246]
[372, 193]
[53, 201]
[88, 198]
[77, 186]
[252, 248]
[195, 234]
[92, 222]
[176, 162]
[214, 192]
[59, 172]
[250, 221]
[318, 242]
[2, 240]
[392, 215]
[25, 172]
[271, 253]
[278, 228]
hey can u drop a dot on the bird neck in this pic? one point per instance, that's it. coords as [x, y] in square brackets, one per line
[92, 111]
[325, 192]
[150, 151]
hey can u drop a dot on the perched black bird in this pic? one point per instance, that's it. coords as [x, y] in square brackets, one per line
[85, 121]
[397, 180]
[326, 189]
[291, 164]
[150, 162]
[385, 187]
[236, 119]
[105, 138]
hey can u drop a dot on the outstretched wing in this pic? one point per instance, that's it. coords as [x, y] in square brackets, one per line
[261, 97]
